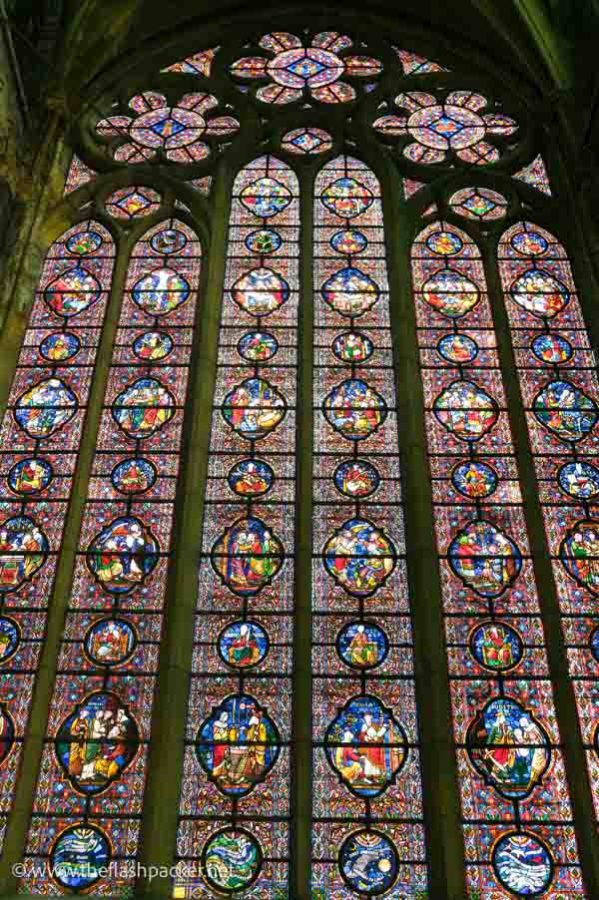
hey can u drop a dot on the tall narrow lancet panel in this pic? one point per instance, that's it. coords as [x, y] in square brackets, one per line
[517, 818]
[368, 830]
[234, 822]
[39, 441]
[558, 379]
[90, 789]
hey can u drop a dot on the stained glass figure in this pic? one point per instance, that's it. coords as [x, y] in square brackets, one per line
[451, 125]
[507, 741]
[235, 799]
[132, 203]
[365, 731]
[557, 371]
[295, 69]
[40, 437]
[90, 788]
[181, 133]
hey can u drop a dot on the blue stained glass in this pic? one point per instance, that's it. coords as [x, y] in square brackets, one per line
[60, 346]
[168, 240]
[458, 348]
[362, 645]
[356, 478]
[30, 476]
[552, 348]
[123, 554]
[133, 476]
[258, 346]
[243, 644]
[565, 410]
[474, 479]
[579, 480]
[496, 646]
[44, 408]
[523, 864]
[368, 862]
[153, 345]
[232, 860]
[78, 856]
[110, 641]
[349, 242]
[10, 638]
[251, 478]
[84, 242]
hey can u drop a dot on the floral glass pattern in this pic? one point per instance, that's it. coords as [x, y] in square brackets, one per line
[133, 202]
[307, 141]
[237, 755]
[368, 833]
[445, 127]
[40, 448]
[294, 70]
[90, 788]
[557, 370]
[181, 133]
[505, 730]
[479, 203]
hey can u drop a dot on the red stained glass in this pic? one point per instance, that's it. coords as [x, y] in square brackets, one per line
[517, 817]
[40, 437]
[91, 783]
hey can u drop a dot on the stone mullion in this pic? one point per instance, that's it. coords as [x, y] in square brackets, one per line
[565, 704]
[445, 847]
[165, 763]
[301, 794]
[18, 822]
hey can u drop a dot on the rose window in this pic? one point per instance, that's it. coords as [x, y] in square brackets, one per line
[178, 132]
[294, 70]
[458, 125]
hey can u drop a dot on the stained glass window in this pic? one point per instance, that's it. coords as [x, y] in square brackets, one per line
[235, 801]
[368, 831]
[293, 622]
[557, 371]
[518, 829]
[40, 438]
[90, 788]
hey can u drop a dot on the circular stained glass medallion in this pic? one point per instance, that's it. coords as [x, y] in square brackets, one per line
[251, 478]
[153, 346]
[243, 644]
[444, 243]
[353, 347]
[496, 646]
[349, 242]
[78, 855]
[523, 864]
[231, 860]
[263, 241]
[459, 349]
[529, 243]
[60, 346]
[133, 476]
[368, 862]
[579, 480]
[110, 641]
[10, 638]
[362, 645]
[257, 346]
[552, 348]
[356, 478]
[474, 479]
[84, 243]
[30, 476]
[347, 198]
[168, 240]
